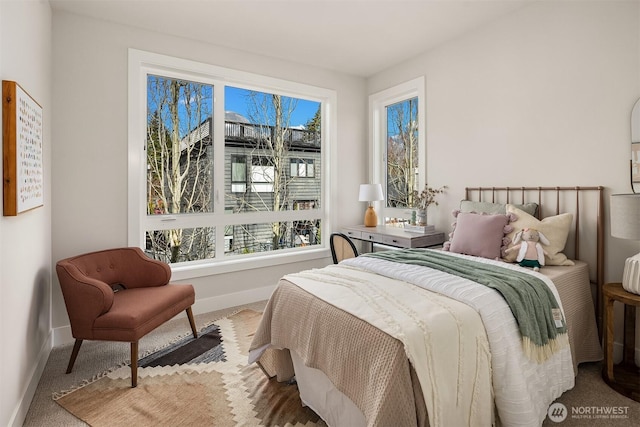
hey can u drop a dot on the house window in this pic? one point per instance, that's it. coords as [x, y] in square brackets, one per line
[304, 204]
[238, 174]
[208, 162]
[302, 168]
[262, 175]
[399, 152]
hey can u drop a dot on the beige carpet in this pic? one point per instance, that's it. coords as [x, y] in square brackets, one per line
[589, 394]
[223, 393]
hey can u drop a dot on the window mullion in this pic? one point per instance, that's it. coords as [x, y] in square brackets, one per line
[219, 166]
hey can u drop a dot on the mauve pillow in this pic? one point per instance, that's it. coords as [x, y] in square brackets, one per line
[479, 234]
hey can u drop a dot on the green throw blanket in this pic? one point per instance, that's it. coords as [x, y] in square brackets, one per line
[530, 299]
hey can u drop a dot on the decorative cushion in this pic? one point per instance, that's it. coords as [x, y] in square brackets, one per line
[478, 234]
[495, 208]
[555, 229]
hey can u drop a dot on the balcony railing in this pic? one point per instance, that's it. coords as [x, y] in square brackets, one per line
[238, 131]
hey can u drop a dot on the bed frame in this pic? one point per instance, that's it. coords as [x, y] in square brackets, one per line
[587, 206]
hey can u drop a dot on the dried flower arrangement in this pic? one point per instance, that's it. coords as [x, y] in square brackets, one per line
[427, 197]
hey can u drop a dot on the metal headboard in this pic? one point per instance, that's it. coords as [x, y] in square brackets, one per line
[542, 195]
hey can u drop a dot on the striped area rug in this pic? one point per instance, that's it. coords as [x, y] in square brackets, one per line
[203, 382]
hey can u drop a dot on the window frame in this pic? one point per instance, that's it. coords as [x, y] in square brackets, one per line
[378, 102]
[299, 162]
[142, 63]
[235, 160]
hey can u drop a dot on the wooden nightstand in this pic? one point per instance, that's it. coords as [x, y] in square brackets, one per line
[625, 376]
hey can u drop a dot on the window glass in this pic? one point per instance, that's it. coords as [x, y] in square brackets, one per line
[402, 153]
[179, 137]
[210, 164]
[262, 175]
[302, 168]
[398, 147]
[181, 245]
[247, 239]
[238, 174]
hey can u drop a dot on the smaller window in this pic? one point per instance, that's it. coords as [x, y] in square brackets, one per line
[238, 174]
[299, 205]
[302, 168]
[262, 175]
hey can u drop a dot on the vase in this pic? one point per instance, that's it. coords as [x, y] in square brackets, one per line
[421, 217]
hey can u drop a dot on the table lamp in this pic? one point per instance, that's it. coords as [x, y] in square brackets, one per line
[370, 193]
[625, 224]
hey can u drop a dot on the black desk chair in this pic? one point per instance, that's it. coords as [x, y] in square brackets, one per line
[342, 247]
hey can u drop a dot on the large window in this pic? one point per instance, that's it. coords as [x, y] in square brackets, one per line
[221, 152]
[399, 153]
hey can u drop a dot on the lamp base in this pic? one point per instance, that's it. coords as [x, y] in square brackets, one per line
[370, 217]
[631, 275]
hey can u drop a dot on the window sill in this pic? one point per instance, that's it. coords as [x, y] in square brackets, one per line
[182, 272]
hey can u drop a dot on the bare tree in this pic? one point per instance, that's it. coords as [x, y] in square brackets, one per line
[179, 178]
[402, 153]
[273, 114]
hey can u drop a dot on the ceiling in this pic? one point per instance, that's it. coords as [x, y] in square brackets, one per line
[358, 37]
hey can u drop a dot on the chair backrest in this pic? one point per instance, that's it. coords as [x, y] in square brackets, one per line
[86, 280]
[126, 266]
[342, 247]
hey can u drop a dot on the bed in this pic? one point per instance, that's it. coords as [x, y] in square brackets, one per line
[409, 338]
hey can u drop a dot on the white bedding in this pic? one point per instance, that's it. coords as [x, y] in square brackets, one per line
[454, 374]
[523, 389]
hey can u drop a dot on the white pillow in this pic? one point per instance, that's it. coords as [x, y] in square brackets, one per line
[555, 229]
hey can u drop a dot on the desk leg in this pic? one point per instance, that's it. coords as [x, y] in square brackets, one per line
[608, 337]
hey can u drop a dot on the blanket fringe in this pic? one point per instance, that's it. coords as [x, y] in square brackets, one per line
[540, 353]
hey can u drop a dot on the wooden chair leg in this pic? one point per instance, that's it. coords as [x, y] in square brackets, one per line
[192, 322]
[134, 364]
[74, 354]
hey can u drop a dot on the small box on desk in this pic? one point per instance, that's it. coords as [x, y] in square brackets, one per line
[422, 229]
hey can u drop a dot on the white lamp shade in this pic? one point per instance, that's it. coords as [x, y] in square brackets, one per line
[625, 216]
[370, 193]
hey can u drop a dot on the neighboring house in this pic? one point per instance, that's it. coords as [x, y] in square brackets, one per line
[249, 182]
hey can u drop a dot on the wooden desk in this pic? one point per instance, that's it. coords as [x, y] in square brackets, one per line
[394, 236]
[625, 376]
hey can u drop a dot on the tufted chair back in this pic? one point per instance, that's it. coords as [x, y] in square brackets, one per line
[120, 295]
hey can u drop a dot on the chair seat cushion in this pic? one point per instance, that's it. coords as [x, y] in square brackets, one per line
[136, 312]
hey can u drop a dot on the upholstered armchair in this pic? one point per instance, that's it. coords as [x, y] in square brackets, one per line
[120, 295]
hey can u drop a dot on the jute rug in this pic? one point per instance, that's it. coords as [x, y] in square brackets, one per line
[207, 383]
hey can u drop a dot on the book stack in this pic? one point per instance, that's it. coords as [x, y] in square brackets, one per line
[422, 229]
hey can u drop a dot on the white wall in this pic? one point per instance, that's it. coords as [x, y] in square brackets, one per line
[542, 96]
[25, 240]
[90, 128]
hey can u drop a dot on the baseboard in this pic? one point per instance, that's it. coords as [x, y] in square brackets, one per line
[618, 349]
[20, 412]
[234, 299]
[62, 335]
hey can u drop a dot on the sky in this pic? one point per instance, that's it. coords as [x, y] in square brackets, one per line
[236, 101]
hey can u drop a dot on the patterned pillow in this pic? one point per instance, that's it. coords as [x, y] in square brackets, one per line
[495, 208]
[555, 229]
[479, 234]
